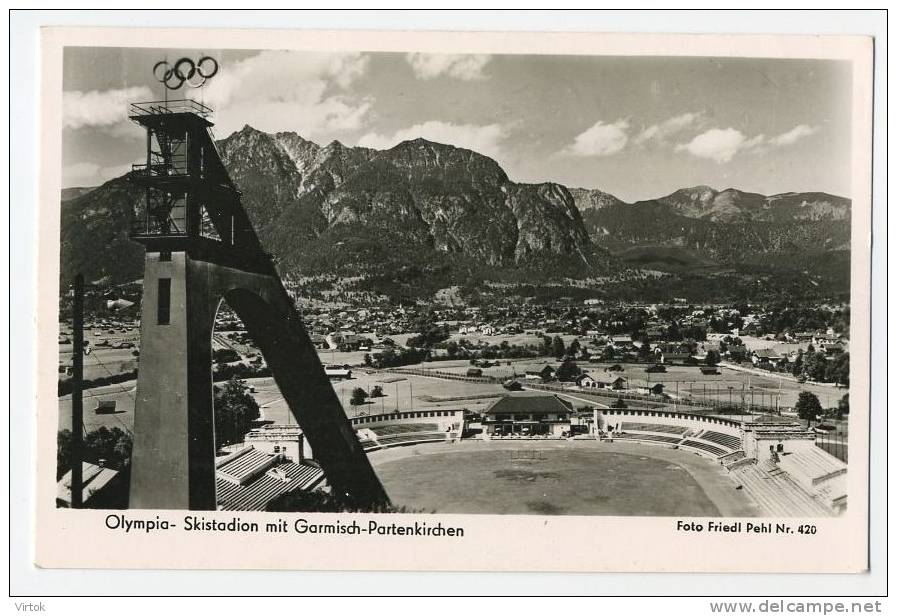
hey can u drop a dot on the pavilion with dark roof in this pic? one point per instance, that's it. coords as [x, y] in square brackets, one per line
[527, 413]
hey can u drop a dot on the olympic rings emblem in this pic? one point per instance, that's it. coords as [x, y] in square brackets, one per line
[185, 70]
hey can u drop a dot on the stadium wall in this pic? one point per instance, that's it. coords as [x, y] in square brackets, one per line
[615, 417]
[447, 419]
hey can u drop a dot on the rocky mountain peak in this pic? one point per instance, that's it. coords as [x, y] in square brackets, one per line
[592, 199]
[421, 156]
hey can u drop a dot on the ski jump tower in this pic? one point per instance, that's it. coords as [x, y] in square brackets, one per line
[201, 249]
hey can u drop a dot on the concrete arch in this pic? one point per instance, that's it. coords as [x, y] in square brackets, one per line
[174, 450]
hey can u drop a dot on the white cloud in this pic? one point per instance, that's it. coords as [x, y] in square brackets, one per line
[288, 90]
[100, 108]
[91, 174]
[468, 67]
[717, 144]
[485, 139]
[721, 145]
[660, 133]
[600, 140]
[793, 135]
[754, 142]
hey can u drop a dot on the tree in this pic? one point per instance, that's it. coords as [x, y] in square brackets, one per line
[844, 406]
[644, 351]
[367, 359]
[814, 365]
[377, 391]
[431, 335]
[546, 345]
[568, 370]
[112, 446]
[618, 404]
[358, 396]
[235, 410]
[808, 406]
[63, 452]
[712, 358]
[557, 347]
[224, 356]
[838, 370]
[574, 347]
[329, 502]
[608, 354]
[513, 386]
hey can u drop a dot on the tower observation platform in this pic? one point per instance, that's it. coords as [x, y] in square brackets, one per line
[189, 200]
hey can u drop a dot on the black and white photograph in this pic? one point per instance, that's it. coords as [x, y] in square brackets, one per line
[543, 285]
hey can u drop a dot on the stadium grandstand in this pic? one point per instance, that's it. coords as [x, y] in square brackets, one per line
[248, 479]
[401, 428]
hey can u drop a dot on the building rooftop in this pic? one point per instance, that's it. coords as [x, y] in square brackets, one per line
[243, 465]
[94, 478]
[258, 492]
[528, 402]
[813, 464]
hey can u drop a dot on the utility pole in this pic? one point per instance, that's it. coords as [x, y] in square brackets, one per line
[77, 386]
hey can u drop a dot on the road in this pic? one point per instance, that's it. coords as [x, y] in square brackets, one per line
[124, 395]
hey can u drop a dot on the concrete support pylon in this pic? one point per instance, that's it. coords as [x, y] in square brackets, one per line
[173, 462]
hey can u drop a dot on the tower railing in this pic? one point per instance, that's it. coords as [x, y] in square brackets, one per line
[175, 166]
[183, 105]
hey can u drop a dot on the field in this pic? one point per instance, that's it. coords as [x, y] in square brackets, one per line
[402, 392]
[761, 388]
[123, 394]
[405, 392]
[567, 478]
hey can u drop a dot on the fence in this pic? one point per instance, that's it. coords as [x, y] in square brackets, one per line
[714, 404]
[704, 403]
[440, 374]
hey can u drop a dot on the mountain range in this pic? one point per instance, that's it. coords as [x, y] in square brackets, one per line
[419, 195]
[422, 214]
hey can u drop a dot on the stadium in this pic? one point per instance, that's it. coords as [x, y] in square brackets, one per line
[466, 446]
[532, 453]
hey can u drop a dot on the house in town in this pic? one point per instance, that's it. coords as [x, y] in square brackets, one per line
[765, 356]
[655, 389]
[672, 353]
[546, 373]
[586, 380]
[617, 383]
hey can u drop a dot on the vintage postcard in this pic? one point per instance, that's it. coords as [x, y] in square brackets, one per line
[454, 301]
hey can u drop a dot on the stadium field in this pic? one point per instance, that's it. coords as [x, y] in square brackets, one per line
[563, 478]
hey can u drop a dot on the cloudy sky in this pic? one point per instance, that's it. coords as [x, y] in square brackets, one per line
[635, 127]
